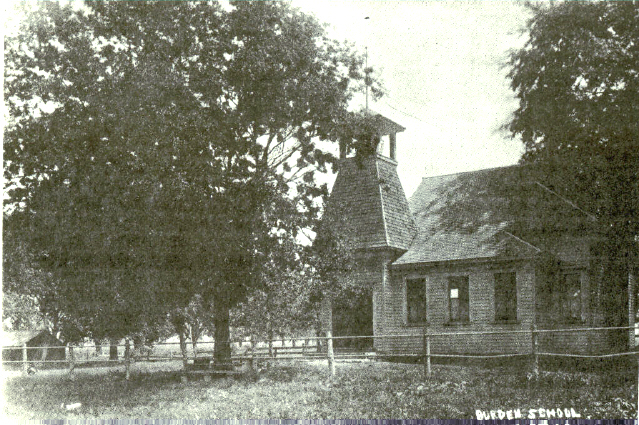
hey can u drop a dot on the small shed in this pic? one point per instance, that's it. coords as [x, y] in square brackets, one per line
[40, 345]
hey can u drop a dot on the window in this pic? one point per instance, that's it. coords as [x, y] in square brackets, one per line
[506, 296]
[458, 298]
[570, 297]
[415, 301]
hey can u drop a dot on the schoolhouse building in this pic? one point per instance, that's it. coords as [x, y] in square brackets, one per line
[491, 250]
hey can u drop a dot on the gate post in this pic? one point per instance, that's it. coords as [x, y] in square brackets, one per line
[426, 351]
[535, 357]
[329, 353]
[25, 358]
[127, 358]
[71, 363]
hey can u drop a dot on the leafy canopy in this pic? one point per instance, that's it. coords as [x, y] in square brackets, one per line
[577, 81]
[147, 141]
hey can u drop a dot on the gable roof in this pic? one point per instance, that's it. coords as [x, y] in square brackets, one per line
[483, 214]
[370, 203]
[19, 338]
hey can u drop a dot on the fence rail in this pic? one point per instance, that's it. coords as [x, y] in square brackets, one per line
[308, 348]
[314, 347]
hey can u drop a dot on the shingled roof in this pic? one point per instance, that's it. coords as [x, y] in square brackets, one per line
[485, 214]
[370, 203]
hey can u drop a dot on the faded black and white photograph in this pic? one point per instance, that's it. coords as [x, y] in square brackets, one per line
[318, 210]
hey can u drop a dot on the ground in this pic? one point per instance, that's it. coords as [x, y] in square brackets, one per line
[365, 389]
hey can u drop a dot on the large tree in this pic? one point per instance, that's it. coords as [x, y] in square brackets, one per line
[577, 81]
[147, 140]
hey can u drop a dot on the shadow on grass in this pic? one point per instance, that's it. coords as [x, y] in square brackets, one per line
[296, 389]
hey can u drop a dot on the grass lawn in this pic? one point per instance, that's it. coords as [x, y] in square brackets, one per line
[302, 390]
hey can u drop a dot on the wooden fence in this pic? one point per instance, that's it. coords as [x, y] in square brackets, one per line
[314, 348]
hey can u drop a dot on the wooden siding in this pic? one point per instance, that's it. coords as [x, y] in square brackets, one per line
[481, 312]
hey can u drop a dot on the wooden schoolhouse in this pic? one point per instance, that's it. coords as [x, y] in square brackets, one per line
[490, 250]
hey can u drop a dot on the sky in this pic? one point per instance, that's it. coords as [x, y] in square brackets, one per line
[442, 65]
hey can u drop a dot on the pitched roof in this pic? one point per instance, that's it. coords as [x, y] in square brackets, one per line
[384, 124]
[19, 338]
[370, 203]
[483, 214]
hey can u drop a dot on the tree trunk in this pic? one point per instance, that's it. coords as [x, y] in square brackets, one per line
[270, 347]
[138, 344]
[127, 359]
[326, 316]
[318, 342]
[222, 351]
[195, 335]
[330, 355]
[182, 336]
[98, 347]
[71, 363]
[180, 327]
[270, 337]
[113, 349]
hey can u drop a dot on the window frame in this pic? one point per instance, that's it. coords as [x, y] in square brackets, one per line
[407, 301]
[514, 318]
[562, 299]
[450, 287]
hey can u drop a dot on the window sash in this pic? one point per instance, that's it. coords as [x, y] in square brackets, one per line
[506, 296]
[415, 301]
[458, 298]
[571, 301]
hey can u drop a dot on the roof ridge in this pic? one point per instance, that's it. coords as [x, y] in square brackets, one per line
[472, 171]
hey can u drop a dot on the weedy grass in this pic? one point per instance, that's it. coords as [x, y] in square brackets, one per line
[303, 390]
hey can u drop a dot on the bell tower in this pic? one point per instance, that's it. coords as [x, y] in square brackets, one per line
[369, 210]
[387, 133]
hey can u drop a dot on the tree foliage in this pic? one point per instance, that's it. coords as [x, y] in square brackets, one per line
[577, 81]
[147, 142]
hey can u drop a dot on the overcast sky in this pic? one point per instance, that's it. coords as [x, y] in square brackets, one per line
[442, 66]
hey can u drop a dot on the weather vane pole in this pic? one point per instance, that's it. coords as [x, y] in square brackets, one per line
[366, 79]
[366, 71]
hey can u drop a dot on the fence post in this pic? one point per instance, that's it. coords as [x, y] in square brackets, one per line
[25, 358]
[535, 357]
[426, 351]
[127, 358]
[253, 362]
[329, 353]
[71, 363]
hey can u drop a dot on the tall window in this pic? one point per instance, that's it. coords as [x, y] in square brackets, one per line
[506, 296]
[570, 297]
[415, 301]
[458, 298]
